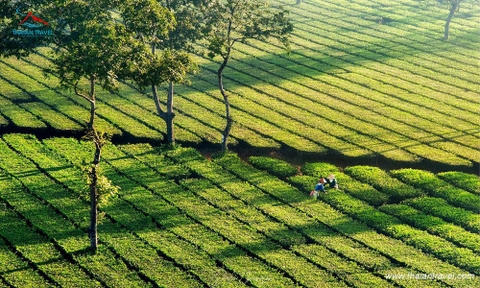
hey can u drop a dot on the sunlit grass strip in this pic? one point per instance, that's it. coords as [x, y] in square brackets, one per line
[360, 32]
[268, 205]
[441, 208]
[350, 272]
[53, 115]
[42, 253]
[434, 225]
[187, 120]
[290, 195]
[429, 123]
[41, 249]
[306, 111]
[19, 116]
[370, 91]
[382, 181]
[169, 217]
[415, 147]
[73, 107]
[104, 110]
[347, 38]
[468, 182]
[434, 186]
[264, 127]
[17, 271]
[406, 21]
[276, 167]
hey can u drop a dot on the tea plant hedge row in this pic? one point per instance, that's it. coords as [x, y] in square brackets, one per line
[438, 188]
[375, 261]
[378, 178]
[131, 258]
[462, 180]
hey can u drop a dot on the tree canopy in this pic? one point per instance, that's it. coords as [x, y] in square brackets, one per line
[233, 21]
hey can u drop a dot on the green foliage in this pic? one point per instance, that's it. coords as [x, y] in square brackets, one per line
[466, 181]
[277, 167]
[436, 187]
[303, 182]
[378, 178]
[356, 188]
[151, 24]
[434, 225]
[319, 169]
[441, 208]
[241, 20]
[105, 188]
[229, 216]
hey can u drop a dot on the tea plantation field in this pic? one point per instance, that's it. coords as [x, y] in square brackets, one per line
[181, 220]
[368, 82]
[363, 80]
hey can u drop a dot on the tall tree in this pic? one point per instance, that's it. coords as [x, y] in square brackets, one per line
[169, 28]
[93, 49]
[235, 21]
[454, 5]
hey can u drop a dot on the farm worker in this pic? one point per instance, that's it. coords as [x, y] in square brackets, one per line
[318, 187]
[332, 182]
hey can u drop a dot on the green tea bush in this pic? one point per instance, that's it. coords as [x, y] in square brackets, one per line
[318, 169]
[276, 167]
[436, 187]
[462, 180]
[378, 178]
[441, 208]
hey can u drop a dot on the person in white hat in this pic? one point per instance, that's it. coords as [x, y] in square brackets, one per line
[332, 182]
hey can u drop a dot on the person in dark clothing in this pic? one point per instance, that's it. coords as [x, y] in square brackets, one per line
[318, 187]
[332, 181]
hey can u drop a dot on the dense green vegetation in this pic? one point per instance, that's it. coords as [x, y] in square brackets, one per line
[367, 81]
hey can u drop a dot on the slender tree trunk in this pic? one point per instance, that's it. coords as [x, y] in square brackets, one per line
[92, 103]
[93, 231]
[455, 6]
[170, 115]
[228, 126]
[157, 101]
